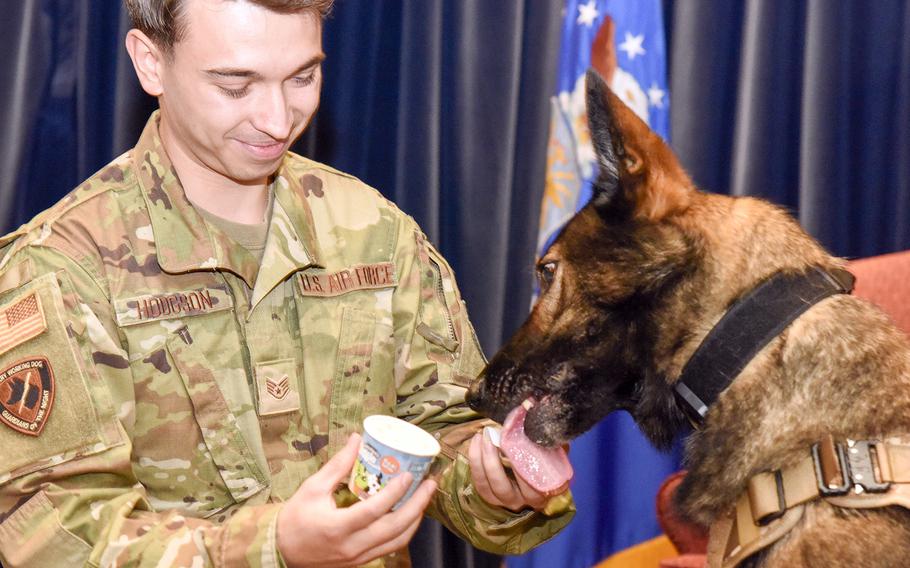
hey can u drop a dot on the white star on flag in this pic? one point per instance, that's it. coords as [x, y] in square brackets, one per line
[632, 45]
[587, 13]
[656, 96]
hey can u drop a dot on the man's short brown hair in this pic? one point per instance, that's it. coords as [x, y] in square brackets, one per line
[161, 19]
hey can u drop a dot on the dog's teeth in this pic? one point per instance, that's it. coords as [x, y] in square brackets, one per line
[527, 404]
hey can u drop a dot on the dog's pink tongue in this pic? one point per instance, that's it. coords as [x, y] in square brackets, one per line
[545, 469]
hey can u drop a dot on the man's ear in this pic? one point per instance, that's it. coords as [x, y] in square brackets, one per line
[147, 61]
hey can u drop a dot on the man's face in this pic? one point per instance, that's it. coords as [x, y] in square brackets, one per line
[240, 87]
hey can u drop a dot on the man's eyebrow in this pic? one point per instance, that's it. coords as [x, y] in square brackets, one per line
[228, 73]
[233, 73]
[311, 62]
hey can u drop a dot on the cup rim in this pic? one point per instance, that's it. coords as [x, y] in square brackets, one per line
[394, 433]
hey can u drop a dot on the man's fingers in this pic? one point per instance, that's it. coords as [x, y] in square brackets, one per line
[421, 497]
[401, 539]
[531, 496]
[363, 514]
[500, 483]
[393, 530]
[509, 491]
[478, 472]
[478, 475]
[338, 468]
[314, 526]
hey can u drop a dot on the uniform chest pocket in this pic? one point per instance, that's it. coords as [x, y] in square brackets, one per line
[352, 369]
[192, 454]
[358, 380]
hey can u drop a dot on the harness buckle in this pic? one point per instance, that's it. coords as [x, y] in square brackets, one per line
[781, 500]
[839, 469]
[862, 472]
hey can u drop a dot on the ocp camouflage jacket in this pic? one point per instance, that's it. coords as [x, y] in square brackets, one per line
[162, 392]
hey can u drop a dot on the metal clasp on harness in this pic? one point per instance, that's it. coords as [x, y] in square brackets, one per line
[781, 500]
[839, 468]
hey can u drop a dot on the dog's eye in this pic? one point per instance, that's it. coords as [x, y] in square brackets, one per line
[545, 272]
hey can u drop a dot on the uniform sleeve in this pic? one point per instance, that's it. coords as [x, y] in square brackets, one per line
[68, 494]
[439, 358]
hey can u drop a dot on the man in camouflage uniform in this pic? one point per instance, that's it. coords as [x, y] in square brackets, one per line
[184, 364]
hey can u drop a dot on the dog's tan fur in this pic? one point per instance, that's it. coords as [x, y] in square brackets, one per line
[651, 242]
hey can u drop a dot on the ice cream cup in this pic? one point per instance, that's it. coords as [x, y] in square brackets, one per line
[390, 447]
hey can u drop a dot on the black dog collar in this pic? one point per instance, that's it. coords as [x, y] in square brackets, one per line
[749, 324]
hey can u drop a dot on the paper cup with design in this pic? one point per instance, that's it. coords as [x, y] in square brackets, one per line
[390, 447]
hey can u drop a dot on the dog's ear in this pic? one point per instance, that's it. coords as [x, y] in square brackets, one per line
[638, 171]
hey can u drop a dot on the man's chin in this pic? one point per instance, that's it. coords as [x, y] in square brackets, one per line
[255, 175]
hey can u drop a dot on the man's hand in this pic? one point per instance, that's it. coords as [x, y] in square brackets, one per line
[313, 531]
[497, 487]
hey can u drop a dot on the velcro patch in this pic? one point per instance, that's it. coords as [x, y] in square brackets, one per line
[276, 382]
[21, 321]
[362, 277]
[169, 305]
[27, 395]
[16, 275]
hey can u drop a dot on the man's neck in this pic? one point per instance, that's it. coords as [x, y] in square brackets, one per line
[240, 203]
[217, 194]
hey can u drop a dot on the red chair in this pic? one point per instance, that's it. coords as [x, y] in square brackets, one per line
[883, 280]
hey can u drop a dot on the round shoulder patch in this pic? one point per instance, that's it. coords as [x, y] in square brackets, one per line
[27, 395]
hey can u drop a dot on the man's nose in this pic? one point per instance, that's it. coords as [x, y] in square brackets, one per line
[273, 115]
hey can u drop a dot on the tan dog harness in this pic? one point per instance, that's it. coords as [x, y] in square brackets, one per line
[854, 474]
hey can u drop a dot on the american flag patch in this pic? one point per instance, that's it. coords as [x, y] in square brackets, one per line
[20, 322]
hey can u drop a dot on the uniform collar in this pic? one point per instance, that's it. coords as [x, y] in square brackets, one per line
[291, 244]
[186, 242]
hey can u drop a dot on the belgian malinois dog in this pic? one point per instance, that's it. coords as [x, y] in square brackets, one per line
[653, 271]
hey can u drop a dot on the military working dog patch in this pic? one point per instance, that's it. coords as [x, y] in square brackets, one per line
[27, 395]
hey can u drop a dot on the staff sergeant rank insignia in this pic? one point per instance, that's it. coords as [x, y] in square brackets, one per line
[27, 395]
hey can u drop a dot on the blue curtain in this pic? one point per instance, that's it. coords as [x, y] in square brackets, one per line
[806, 103]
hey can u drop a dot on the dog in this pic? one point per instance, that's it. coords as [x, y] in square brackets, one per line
[631, 291]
